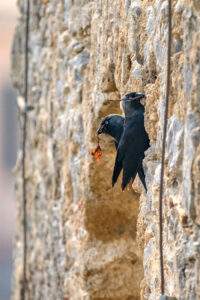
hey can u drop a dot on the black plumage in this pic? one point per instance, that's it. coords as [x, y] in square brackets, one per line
[134, 141]
[113, 125]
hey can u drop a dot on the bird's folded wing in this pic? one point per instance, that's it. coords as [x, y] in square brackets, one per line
[123, 144]
[129, 153]
[129, 140]
[116, 171]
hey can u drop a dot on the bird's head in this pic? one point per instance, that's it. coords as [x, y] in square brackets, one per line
[131, 103]
[112, 125]
[104, 126]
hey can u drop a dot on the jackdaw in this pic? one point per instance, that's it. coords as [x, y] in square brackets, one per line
[113, 125]
[134, 141]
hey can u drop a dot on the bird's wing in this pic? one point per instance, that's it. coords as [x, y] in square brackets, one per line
[142, 175]
[116, 171]
[130, 151]
[116, 144]
[122, 146]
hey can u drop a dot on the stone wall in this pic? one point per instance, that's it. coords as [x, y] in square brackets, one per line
[87, 240]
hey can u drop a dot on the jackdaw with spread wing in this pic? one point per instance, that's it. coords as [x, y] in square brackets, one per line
[134, 141]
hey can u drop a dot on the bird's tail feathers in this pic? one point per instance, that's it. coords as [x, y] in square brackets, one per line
[126, 180]
[130, 171]
[142, 177]
[116, 172]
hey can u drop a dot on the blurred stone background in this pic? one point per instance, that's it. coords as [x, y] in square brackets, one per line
[9, 137]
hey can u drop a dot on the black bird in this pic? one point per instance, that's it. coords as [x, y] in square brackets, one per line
[134, 141]
[113, 125]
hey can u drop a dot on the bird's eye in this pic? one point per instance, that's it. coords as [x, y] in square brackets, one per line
[106, 122]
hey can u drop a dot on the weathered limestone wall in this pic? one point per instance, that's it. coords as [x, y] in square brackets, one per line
[85, 239]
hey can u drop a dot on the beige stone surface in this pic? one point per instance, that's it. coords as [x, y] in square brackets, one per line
[87, 240]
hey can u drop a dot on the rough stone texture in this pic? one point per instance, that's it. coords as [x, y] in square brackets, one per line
[85, 239]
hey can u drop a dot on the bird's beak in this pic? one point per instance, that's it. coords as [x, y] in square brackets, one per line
[100, 130]
[140, 96]
[142, 99]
